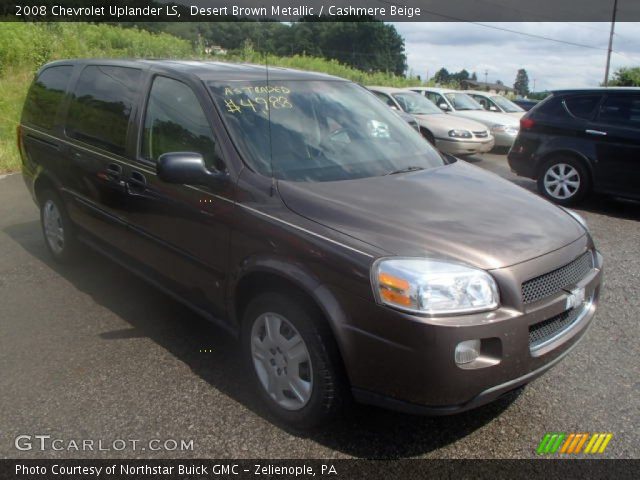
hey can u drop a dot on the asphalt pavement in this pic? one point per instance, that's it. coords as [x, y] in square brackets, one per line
[91, 352]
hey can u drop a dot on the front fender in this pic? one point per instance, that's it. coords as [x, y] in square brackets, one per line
[296, 274]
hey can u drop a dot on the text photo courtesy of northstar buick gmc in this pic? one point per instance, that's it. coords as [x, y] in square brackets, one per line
[349, 257]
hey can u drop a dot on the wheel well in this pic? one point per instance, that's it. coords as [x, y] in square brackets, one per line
[424, 130]
[255, 283]
[43, 183]
[567, 153]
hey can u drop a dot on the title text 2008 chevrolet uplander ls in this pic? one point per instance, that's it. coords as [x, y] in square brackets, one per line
[300, 213]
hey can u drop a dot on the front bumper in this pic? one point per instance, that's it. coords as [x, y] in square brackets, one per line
[406, 362]
[462, 147]
[504, 139]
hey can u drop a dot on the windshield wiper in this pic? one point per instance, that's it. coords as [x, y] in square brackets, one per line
[405, 170]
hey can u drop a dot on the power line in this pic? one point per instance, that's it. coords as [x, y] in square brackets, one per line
[494, 27]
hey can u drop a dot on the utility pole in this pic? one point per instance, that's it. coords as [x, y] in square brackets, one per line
[534, 84]
[613, 26]
[486, 72]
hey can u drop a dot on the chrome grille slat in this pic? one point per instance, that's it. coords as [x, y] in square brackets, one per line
[557, 280]
[545, 331]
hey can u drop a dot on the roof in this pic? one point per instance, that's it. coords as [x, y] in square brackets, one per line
[385, 89]
[598, 90]
[433, 89]
[480, 92]
[210, 70]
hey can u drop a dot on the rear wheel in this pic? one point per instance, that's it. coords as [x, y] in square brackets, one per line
[564, 180]
[57, 227]
[293, 359]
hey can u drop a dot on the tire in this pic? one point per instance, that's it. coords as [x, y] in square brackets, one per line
[564, 180]
[304, 394]
[57, 228]
[429, 136]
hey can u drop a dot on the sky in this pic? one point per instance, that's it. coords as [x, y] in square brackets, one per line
[453, 45]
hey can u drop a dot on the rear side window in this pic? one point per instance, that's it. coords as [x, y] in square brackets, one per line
[582, 106]
[101, 106]
[385, 98]
[45, 96]
[552, 106]
[621, 110]
[175, 122]
[435, 98]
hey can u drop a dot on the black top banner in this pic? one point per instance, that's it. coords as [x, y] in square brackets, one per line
[330, 10]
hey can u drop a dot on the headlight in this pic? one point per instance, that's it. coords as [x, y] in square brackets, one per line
[578, 218]
[460, 133]
[433, 286]
[508, 129]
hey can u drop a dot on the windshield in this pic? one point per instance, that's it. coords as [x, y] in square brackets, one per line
[319, 131]
[462, 101]
[415, 103]
[506, 104]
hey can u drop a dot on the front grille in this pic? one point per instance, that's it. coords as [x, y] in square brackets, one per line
[557, 280]
[542, 332]
[482, 134]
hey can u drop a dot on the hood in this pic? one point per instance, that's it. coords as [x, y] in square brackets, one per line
[488, 118]
[456, 211]
[517, 115]
[440, 124]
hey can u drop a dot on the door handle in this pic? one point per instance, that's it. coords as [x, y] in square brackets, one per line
[137, 183]
[114, 171]
[596, 132]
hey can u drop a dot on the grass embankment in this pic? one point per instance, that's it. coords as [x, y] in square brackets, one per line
[24, 47]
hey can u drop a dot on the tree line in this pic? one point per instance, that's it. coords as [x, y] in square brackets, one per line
[360, 42]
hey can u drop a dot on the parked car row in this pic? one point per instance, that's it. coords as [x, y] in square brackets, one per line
[462, 123]
[572, 143]
[449, 134]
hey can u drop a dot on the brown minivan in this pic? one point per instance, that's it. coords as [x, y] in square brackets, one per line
[299, 213]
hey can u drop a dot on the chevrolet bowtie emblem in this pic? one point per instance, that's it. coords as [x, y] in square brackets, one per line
[575, 298]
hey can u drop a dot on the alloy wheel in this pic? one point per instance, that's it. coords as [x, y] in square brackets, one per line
[281, 361]
[53, 229]
[561, 181]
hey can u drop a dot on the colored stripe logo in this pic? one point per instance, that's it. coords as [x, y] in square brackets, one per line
[573, 443]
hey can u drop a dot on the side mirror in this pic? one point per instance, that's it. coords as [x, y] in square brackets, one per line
[443, 106]
[186, 168]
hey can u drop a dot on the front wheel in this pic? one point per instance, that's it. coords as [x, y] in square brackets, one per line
[564, 180]
[293, 359]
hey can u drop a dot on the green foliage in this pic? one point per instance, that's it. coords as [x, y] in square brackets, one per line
[24, 47]
[359, 42]
[521, 85]
[315, 64]
[626, 77]
[30, 45]
[446, 79]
